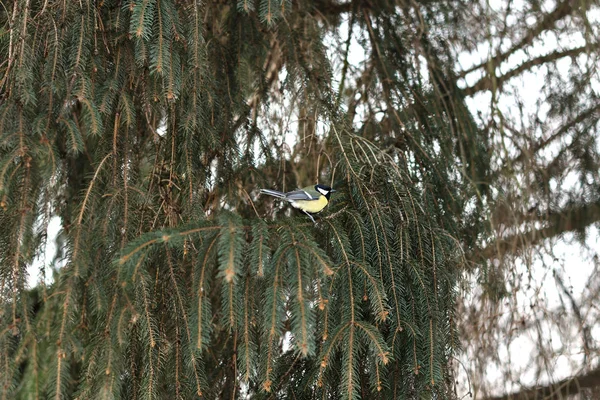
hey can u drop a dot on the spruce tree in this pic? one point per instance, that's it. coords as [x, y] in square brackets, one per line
[148, 128]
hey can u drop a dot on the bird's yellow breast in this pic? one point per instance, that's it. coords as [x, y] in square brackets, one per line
[311, 206]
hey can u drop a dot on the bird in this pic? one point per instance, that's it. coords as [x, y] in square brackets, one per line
[309, 200]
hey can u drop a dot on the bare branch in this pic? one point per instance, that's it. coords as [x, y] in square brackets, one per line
[529, 153]
[569, 219]
[488, 83]
[592, 111]
[559, 390]
[562, 10]
[585, 330]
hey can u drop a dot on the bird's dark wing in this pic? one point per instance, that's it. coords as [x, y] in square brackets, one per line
[300, 195]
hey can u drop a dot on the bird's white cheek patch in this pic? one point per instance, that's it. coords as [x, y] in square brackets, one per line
[322, 191]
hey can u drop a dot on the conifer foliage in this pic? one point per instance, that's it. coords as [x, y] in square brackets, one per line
[148, 126]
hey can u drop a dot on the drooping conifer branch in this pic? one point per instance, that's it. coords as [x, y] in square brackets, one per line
[155, 123]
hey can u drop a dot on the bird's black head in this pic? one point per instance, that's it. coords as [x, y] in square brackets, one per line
[324, 190]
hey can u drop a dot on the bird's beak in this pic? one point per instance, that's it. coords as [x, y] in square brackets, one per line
[332, 190]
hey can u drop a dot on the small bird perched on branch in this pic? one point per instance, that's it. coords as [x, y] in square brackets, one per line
[309, 200]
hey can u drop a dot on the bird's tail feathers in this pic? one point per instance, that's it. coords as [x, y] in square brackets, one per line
[273, 193]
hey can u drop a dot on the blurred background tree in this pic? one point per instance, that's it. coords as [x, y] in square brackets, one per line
[147, 127]
[530, 324]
